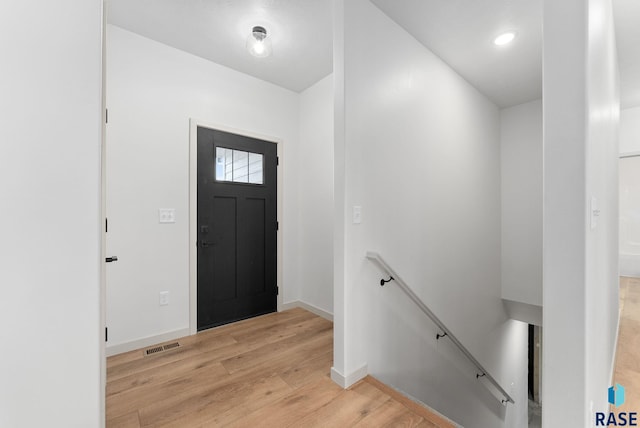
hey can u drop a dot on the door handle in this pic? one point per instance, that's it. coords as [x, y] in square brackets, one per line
[205, 244]
[111, 259]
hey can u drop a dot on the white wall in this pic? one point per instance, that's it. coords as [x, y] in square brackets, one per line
[630, 131]
[521, 198]
[50, 137]
[421, 152]
[630, 216]
[602, 296]
[152, 92]
[630, 192]
[580, 295]
[315, 198]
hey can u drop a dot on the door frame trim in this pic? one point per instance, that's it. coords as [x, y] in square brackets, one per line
[193, 210]
[103, 216]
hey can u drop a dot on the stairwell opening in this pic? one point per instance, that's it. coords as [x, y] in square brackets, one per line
[535, 376]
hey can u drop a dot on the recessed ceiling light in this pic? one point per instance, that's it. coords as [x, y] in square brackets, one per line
[504, 38]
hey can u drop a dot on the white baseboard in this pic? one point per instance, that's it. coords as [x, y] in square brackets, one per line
[612, 371]
[176, 334]
[351, 378]
[311, 308]
[146, 341]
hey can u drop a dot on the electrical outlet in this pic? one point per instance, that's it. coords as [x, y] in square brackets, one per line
[164, 298]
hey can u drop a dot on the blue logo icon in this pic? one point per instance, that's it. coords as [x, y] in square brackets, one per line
[616, 395]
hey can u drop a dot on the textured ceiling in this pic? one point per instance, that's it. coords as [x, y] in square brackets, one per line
[301, 33]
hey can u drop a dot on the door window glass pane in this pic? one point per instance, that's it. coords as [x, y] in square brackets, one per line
[239, 166]
[255, 168]
[224, 159]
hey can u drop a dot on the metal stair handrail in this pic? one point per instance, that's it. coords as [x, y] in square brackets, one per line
[446, 332]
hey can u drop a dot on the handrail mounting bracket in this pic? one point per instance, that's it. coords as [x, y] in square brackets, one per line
[383, 281]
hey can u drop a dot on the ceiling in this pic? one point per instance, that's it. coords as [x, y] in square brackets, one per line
[301, 33]
[460, 32]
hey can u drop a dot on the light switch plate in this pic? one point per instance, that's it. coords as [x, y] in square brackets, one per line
[357, 214]
[595, 212]
[164, 298]
[167, 215]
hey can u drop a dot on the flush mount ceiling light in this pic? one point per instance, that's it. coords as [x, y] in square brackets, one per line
[504, 38]
[258, 44]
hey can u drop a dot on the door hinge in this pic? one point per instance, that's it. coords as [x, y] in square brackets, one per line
[277, 160]
[277, 225]
[106, 115]
[106, 225]
[277, 290]
[106, 334]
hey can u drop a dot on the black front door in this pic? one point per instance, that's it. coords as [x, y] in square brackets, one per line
[237, 184]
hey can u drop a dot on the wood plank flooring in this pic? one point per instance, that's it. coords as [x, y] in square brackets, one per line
[627, 371]
[269, 371]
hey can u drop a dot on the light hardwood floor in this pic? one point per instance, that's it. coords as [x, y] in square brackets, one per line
[269, 371]
[627, 371]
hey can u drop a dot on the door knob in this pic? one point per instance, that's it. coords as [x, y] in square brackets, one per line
[111, 259]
